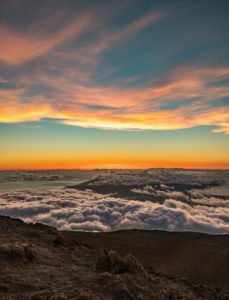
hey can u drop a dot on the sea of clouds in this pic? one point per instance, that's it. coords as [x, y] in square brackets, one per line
[72, 209]
[163, 176]
[44, 175]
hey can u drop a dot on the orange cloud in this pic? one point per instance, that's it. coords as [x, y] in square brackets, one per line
[129, 31]
[72, 99]
[18, 47]
[137, 108]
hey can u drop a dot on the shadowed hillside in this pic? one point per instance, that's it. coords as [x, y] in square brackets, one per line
[38, 262]
[201, 257]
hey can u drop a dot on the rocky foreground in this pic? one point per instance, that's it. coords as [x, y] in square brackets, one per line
[38, 262]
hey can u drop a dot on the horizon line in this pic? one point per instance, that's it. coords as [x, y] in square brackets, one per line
[94, 169]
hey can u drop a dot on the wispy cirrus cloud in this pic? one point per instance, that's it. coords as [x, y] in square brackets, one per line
[142, 107]
[19, 47]
[57, 59]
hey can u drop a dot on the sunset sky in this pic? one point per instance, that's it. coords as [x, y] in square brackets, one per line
[114, 84]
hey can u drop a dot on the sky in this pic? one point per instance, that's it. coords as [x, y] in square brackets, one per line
[114, 84]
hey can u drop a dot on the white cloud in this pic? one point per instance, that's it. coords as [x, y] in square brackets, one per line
[77, 210]
[163, 177]
[149, 190]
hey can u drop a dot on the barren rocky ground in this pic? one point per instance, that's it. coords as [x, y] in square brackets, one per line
[38, 262]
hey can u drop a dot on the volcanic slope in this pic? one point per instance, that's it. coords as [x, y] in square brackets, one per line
[38, 262]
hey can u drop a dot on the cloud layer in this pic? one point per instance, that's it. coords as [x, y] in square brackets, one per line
[162, 177]
[84, 210]
[46, 175]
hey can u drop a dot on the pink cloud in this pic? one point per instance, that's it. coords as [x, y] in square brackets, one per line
[18, 47]
[131, 108]
[71, 95]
